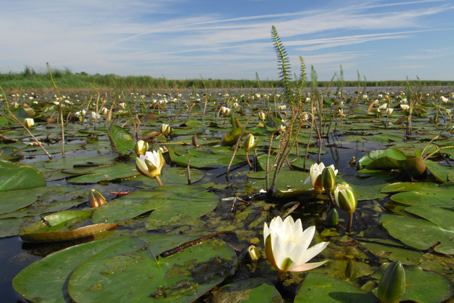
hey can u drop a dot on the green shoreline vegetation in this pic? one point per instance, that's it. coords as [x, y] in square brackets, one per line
[29, 78]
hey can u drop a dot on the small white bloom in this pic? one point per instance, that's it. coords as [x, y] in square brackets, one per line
[405, 106]
[287, 245]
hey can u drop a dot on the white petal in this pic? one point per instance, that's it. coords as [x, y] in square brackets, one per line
[278, 249]
[312, 252]
[266, 231]
[307, 266]
[297, 231]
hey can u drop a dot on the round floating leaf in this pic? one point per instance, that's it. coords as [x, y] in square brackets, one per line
[203, 159]
[15, 199]
[46, 280]
[168, 203]
[251, 290]
[10, 227]
[129, 271]
[13, 176]
[117, 171]
[409, 186]
[382, 159]
[424, 234]
[423, 199]
[321, 288]
[442, 173]
[121, 140]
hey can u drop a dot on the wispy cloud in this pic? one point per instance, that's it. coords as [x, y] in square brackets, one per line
[161, 37]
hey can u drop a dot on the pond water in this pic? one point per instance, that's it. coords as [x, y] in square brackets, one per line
[367, 246]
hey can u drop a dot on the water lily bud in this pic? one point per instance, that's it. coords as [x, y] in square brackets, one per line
[195, 141]
[29, 122]
[332, 219]
[104, 111]
[165, 129]
[254, 254]
[391, 287]
[262, 116]
[96, 198]
[249, 143]
[141, 147]
[345, 197]
[328, 178]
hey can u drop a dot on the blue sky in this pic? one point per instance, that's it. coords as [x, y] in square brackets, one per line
[181, 39]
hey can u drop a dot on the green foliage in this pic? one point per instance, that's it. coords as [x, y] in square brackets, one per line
[285, 74]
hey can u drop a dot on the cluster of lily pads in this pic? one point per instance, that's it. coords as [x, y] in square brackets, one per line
[184, 196]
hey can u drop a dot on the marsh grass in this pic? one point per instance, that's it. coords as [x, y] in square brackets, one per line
[30, 78]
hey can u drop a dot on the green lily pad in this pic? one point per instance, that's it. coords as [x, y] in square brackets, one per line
[321, 288]
[250, 290]
[14, 176]
[441, 173]
[424, 199]
[409, 186]
[390, 250]
[121, 140]
[117, 171]
[382, 159]
[46, 280]
[130, 271]
[15, 199]
[169, 204]
[425, 233]
[204, 159]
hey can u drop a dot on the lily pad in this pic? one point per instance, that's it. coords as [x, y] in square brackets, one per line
[121, 140]
[382, 159]
[14, 176]
[425, 233]
[441, 173]
[321, 288]
[117, 171]
[169, 204]
[250, 290]
[46, 280]
[130, 271]
[15, 199]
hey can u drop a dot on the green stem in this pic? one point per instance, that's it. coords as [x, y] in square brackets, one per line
[350, 220]
[159, 181]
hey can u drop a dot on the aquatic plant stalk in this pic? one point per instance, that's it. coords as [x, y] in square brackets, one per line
[28, 131]
[61, 112]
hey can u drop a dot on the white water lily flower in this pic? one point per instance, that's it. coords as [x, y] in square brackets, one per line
[150, 164]
[282, 107]
[315, 177]
[444, 99]
[405, 106]
[225, 110]
[389, 111]
[287, 245]
[383, 106]
[29, 122]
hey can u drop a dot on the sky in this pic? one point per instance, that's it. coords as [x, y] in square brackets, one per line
[188, 39]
